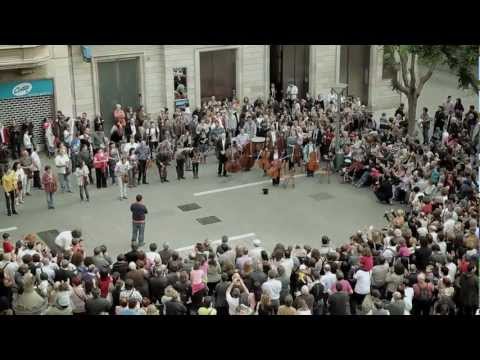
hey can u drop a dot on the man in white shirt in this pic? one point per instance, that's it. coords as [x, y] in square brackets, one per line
[362, 288]
[273, 287]
[328, 279]
[130, 145]
[62, 162]
[64, 239]
[121, 171]
[449, 224]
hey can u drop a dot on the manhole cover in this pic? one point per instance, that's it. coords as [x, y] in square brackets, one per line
[189, 207]
[208, 220]
[321, 196]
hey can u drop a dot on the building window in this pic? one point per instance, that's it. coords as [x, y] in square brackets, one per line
[388, 71]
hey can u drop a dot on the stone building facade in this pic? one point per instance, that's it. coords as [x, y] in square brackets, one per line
[92, 78]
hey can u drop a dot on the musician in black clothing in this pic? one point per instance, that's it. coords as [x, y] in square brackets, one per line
[221, 147]
[15, 140]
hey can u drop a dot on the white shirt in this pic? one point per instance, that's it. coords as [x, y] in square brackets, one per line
[452, 271]
[27, 141]
[362, 286]
[64, 240]
[122, 168]
[288, 266]
[232, 304]
[328, 280]
[37, 164]
[408, 298]
[272, 287]
[448, 226]
[62, 162]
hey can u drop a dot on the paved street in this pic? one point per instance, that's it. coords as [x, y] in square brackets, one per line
[301, 215]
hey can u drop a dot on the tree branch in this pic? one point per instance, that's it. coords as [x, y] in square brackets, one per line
[424, 79]
[413, 79]
[403, 63]
[396, 85]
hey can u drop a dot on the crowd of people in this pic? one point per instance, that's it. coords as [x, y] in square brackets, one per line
[425, 261]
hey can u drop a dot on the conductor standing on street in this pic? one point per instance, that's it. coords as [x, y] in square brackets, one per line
[138, 220]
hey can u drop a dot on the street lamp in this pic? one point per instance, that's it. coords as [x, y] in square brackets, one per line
[338, 90]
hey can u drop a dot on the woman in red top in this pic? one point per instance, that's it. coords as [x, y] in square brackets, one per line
[100, 162]
[104, 283]
[366, 260]
[49, 183]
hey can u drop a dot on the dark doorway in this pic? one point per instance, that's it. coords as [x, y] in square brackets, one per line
[218, 74]
[290, 63]
[118, 84]
[355, 70]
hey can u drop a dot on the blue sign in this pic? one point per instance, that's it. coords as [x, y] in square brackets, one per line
[26, 88]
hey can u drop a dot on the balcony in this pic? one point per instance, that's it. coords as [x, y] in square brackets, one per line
[23, 56]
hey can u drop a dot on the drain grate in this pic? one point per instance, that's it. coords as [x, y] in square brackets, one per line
[321, 196]
[208, 220]
[189, 207]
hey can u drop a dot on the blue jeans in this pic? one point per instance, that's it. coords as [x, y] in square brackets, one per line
[64, 182]
[138, 230]
[49, 200]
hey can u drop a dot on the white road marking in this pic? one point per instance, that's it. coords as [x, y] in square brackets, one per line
[9, 229]
[244, 185]
[219, 241]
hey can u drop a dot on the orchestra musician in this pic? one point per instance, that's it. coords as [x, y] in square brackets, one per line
[274, 170]
[221, 150]
[163, 158]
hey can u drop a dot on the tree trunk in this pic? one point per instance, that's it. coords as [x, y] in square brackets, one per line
[412, 114]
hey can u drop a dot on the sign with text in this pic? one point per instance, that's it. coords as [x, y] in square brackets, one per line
[26, 88]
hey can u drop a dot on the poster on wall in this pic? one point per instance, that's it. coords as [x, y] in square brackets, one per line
[180, 87]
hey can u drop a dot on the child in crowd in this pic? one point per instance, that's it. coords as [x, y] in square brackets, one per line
[196, 159]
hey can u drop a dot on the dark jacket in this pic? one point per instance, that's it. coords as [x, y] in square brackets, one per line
[219, 147]
[165, 255]
[97, 306]
[157, 287]
[422, 257]
[221, 294]
[131, 256]
[121, 267]
[468, 289]
[175, 308]
[63, 275]
[339, 303]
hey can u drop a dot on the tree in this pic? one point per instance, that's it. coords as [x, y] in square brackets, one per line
[404, 60]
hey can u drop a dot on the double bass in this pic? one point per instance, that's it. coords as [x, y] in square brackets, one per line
[313, 164]
[264, 159]
[233, 164]
[246, 159]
